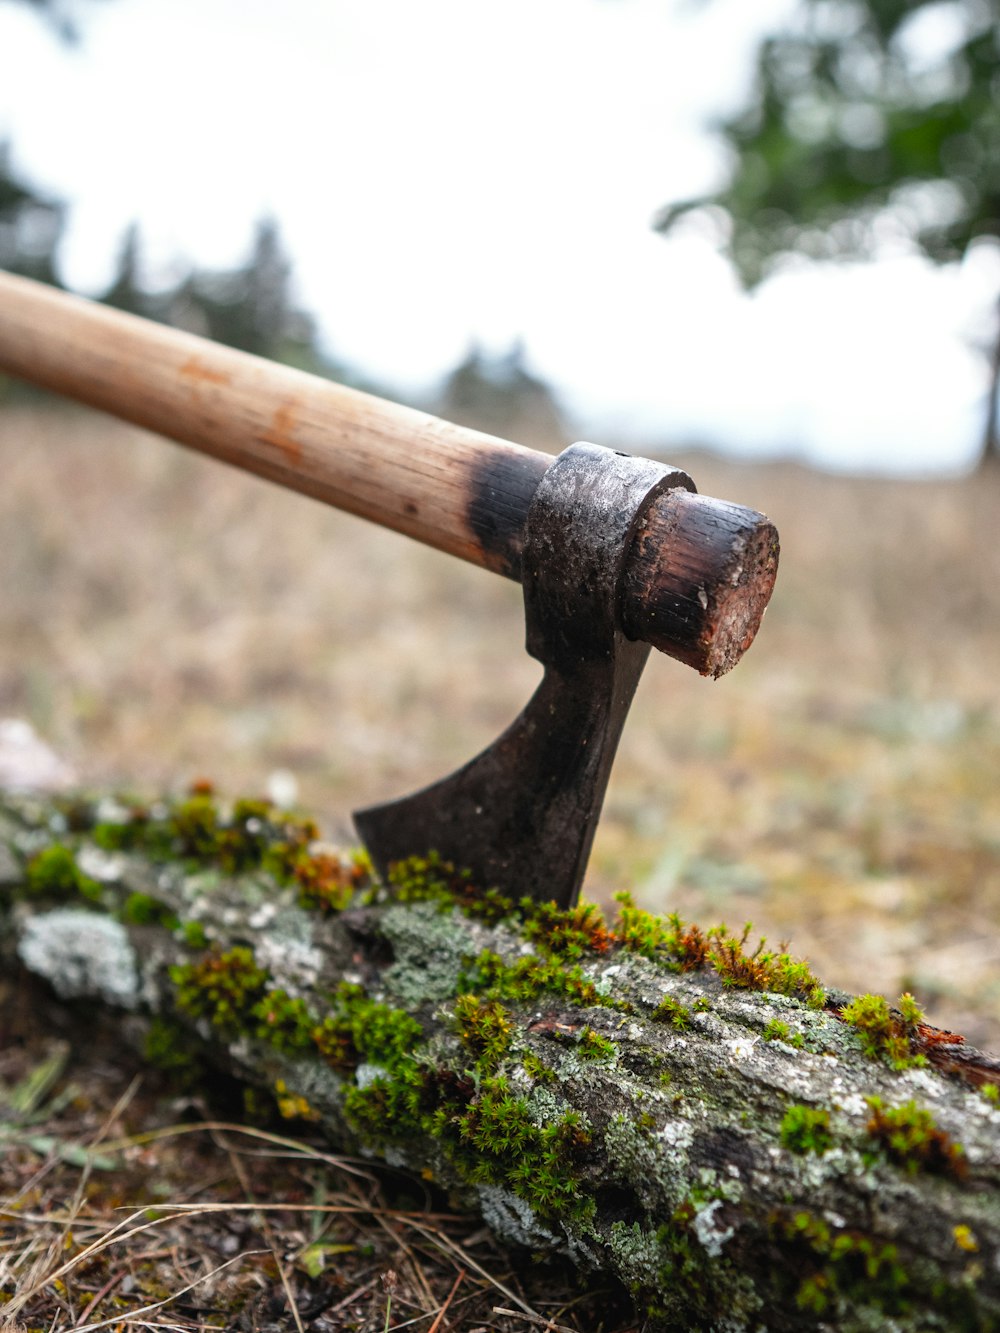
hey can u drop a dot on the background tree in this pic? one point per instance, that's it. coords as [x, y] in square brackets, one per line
[31, 225]
[499, 394]
[61, 14]
[868, 120]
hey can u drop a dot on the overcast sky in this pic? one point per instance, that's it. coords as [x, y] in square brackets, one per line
[457, 169]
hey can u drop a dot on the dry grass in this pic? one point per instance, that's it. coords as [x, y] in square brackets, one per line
[114, 1214]
[162, 616]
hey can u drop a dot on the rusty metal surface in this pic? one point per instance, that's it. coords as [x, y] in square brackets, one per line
[522, 815]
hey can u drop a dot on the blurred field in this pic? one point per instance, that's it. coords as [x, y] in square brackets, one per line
[163, 617]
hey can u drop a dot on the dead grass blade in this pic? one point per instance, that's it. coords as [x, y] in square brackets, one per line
[158, 1305]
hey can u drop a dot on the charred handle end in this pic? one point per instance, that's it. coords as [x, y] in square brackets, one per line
[698, 579]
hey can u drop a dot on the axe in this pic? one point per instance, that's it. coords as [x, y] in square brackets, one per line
[615, 554]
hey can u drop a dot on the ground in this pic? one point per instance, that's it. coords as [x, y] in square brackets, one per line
[165, 618]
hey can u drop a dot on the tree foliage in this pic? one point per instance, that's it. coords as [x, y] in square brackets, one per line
[868, 120]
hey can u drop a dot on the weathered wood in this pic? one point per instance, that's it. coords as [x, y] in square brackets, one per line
[717, 1147]
[701, 572]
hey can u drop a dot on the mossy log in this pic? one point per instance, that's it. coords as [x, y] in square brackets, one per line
[742, 1147]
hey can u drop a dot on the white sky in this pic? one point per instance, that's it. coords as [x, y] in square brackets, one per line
[452, 169]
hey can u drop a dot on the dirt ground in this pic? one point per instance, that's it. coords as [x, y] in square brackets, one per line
[164, 617]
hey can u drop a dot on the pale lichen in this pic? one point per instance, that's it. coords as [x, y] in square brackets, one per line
[81, 954]
[513, 1220]
[429, 950]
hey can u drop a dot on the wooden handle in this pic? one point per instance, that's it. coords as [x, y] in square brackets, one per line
[700, 571]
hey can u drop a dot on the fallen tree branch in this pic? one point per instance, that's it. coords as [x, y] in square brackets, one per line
[742, 1147]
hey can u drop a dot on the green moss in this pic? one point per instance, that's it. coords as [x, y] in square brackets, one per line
[54, 873]
[806, 1129]
[193, 935]
[538, 1069]
[660, 938]
[512, 1149]
[489, 1135]
[673, 1278]
[991, 1093]
[170, 1047]
[684, 947]
[527, 978]
[886, 1035]
[222, 987]
[762, 970]
[778, 1031]
[673, 1012]
[137, 831]
[283, 1021]
[594, 1046]
[569, 933]
[838, 1268]
[380, 1033]
[139, 909]
[908, 1135]
[484, 1028]
[432, 879]
[252, 835]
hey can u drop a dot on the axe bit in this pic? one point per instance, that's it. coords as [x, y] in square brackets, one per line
[614, 553]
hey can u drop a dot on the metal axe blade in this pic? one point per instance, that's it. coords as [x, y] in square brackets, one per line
[521, 816]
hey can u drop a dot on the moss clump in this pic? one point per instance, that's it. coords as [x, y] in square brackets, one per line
[885, 1034]
[806, 1129]
[193, 935]
[843, 1268]
[484, 1028]
[527, 978]
[762, 970]
[673, 1012]
[139, 909]
[908, 1135]
[252, 835]
[170, 1047]
[672, 1276]
[566, 933]
[660, 938]
[594, 1046]
[222, 987]
[684, 947]
[537, 1069]
[533, 1160]
[283, 1021]
[325, 882]
[776, 1030]
[419, 879]
[489, 1134]
[559, 933]
[54, 873]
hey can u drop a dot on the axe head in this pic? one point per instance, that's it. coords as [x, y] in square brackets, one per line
[521, 816]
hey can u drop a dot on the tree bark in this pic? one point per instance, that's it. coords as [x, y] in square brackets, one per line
[732, 1154]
